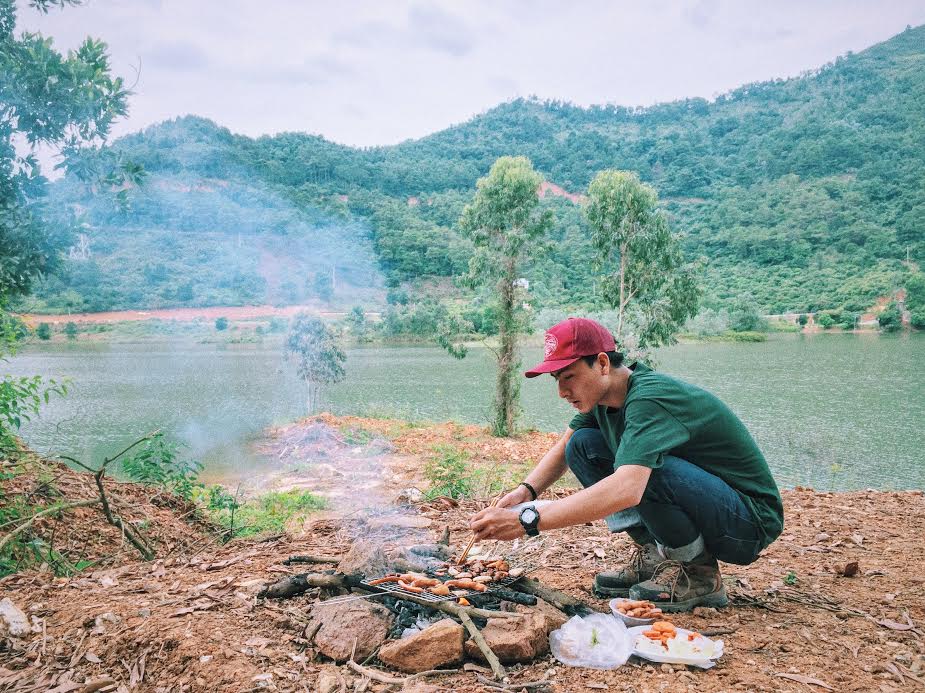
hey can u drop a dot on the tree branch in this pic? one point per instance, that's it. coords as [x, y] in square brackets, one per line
[44, 513]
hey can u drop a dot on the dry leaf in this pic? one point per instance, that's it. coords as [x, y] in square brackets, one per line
[799, 678]
[599, 552]
[893, 625]
[90, 657]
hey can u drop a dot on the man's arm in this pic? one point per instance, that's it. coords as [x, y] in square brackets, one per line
[621, 490]
[550, 468]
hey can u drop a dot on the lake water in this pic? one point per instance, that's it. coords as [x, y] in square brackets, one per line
[829, 411]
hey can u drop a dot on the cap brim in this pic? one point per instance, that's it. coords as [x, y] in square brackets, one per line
[550, 367]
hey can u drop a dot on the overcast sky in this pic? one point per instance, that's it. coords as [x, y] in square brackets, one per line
[379, 72]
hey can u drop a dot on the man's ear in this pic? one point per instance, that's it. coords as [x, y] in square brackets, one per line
[604, 362]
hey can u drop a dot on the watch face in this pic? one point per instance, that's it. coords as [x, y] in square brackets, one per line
[529, 515]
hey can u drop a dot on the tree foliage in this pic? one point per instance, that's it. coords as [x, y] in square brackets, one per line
[644, 275]
[506, 227]
[319, 360]
[46, 98]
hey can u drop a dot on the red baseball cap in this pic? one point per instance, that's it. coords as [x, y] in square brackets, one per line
[568, 341]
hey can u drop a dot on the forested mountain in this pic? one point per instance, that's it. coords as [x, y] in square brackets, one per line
[800, 194]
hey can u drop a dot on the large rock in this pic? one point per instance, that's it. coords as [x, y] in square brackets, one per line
[554, 618]
[13, 622]
[437, 646]
[343, 624]
[513, 639]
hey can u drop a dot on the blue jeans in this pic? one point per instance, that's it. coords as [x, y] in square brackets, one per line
[681, 503]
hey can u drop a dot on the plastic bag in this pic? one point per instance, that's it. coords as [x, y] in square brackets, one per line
[598, 641]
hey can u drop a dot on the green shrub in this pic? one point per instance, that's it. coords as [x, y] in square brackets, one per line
[825, 321]
[157, 462]
[70, 330]
[43, 331]
[221, 324]
[917, 320]
[449, 474]
[890, 319]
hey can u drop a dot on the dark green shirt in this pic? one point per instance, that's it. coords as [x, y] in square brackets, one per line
[664, 416]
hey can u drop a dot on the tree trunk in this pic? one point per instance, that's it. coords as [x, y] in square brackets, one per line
[506, 388]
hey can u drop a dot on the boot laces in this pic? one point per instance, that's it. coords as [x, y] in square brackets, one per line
[669, 573]
[637, 558]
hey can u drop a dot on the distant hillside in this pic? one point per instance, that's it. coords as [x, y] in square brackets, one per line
[803, 193]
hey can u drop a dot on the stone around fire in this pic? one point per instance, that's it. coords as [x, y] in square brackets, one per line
[440, 645]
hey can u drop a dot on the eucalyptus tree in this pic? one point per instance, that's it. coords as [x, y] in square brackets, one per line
[644, 273]
[320, 361]
[506, 227]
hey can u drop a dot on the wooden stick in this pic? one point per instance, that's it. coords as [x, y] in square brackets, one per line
[562, 601]
[494, 685]
[477, 638]
[311, 559]
[472, 540]
[394, 680]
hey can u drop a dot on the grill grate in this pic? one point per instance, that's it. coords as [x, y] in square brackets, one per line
[427, 596]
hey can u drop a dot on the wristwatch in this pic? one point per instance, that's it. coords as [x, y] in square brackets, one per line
[530, 519]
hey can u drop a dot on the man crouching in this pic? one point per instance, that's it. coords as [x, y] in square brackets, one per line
[660, 459]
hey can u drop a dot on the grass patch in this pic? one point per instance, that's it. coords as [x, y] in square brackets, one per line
[452, 473]
[268, 513]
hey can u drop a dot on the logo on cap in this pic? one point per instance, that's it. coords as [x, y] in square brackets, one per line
[549, 345]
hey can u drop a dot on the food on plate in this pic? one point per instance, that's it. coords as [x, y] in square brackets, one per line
[639, 609]
[676, 643]
[440, 590]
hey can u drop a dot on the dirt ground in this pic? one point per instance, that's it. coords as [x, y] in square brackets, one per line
[190, 620]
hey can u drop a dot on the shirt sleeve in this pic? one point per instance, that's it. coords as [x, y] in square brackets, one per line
[650, 433]
[583, 421]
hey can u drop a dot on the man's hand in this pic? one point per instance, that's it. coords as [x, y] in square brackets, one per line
[497, 523]
[521, 494]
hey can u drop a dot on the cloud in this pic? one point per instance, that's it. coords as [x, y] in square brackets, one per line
[315, 71]
[176, 55]
[440, 31]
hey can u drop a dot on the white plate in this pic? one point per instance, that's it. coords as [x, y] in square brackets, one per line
[628, 620]
[710, 650]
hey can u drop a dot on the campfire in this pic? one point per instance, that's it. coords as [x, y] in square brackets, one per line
[418, 609]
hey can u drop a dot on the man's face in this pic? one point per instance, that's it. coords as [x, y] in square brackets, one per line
[583, 386]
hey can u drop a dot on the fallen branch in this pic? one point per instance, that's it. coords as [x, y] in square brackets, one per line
[309, 558]
[562, 601]
[297, 584]
[44, 513]
[477, 638]
[545, 683]
[376, 675]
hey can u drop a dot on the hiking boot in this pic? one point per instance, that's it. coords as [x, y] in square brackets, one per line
[641, 566]
[677, 586]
